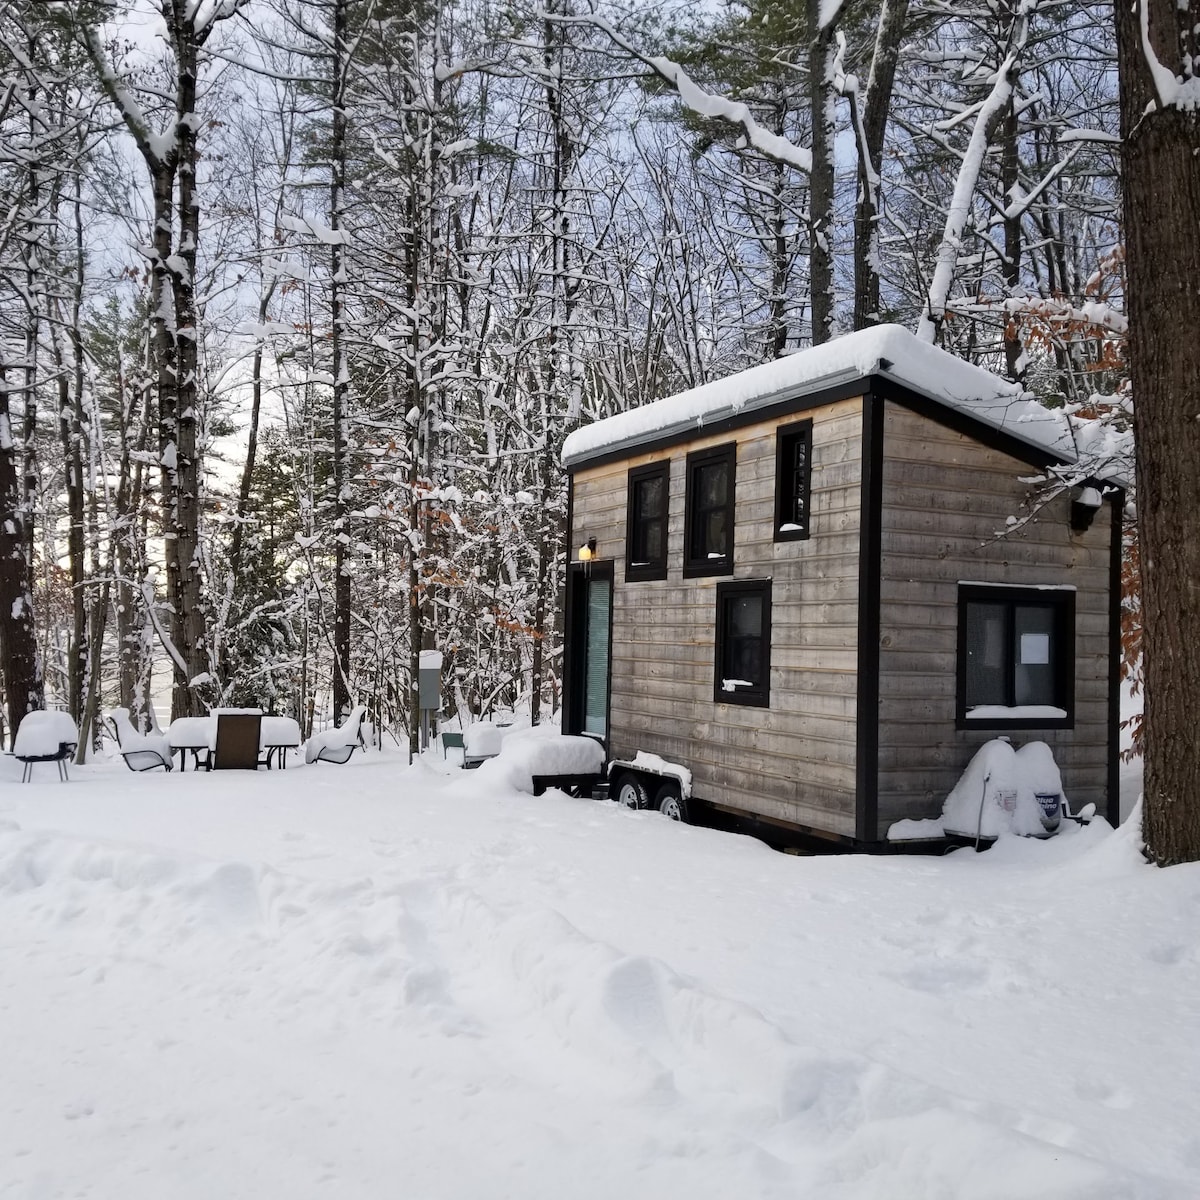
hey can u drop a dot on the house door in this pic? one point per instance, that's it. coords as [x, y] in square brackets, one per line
[590, 647]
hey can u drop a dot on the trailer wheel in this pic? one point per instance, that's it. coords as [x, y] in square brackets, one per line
[630, 791]
[670, 802]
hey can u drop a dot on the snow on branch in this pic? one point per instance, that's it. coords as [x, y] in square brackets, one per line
[704, 103]
[1052, 311]
[968, 177]
[155, 148]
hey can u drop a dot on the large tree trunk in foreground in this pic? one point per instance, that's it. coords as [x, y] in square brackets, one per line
[1161, 167]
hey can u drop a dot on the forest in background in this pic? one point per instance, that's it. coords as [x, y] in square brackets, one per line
[298, 301]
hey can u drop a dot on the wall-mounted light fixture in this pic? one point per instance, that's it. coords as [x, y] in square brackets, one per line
[587, 551]
[1085, 504]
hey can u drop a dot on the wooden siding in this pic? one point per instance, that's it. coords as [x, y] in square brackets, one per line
[945, 499]
[795, 760]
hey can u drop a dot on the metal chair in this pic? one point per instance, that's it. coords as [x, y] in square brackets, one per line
[236, 745]
[141, 751]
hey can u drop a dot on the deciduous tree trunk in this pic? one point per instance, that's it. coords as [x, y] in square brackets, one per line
[1161, 167]
[20, 667]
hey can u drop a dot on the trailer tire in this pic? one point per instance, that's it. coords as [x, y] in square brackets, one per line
[629, 790]
[670, 802]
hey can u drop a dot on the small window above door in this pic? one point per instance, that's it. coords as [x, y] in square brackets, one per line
[793, 482]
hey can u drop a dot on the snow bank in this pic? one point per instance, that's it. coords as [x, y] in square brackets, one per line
[542, 750]
[319, 984]
[999, 793]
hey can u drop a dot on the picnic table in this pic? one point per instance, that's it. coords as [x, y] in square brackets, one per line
[277, 735]
[194, 734]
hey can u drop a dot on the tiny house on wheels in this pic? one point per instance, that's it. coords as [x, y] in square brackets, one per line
[807, 594]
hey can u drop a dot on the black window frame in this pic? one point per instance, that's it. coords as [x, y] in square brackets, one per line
[759, 694]
[1061, 602]
[642, 571]
[698, 565]
[786, 438]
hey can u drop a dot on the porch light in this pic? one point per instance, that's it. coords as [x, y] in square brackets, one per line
[587, 551]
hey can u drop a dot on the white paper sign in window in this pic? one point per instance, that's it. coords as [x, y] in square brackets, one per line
[1035, 649]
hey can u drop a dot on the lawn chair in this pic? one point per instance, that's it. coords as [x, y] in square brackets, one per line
[236, 744]
[141, 751]
[336, 745]
[45, 735]
[453, 741]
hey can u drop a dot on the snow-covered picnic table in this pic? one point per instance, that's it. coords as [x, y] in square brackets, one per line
[190, 733]
[277, 735]
[532, 760]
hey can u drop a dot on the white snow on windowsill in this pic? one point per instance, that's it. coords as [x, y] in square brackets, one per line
[1027, 587]
[1017, 712]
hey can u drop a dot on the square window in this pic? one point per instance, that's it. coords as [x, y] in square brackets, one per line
[1016, 657]
[708, 521]
[793, 481]
[646, 523]
[743, 643]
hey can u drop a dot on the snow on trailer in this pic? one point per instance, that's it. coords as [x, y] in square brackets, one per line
[650, 781]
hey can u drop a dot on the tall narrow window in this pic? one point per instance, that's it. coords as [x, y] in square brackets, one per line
[708, 523]
[1016, 657]
[646, 526]
[743, 643]
[793, 481]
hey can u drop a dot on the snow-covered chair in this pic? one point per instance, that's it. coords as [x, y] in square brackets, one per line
[45, 735]
[483, 739]
[141, 751]
[336, 745]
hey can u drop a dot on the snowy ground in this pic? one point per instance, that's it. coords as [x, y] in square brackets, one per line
[373, 981]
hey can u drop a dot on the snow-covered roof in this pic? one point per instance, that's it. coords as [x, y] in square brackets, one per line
[890, 351]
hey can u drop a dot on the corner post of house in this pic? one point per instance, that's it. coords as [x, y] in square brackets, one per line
[866, 792]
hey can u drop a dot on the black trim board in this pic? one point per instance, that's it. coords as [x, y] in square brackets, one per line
[567, 619]
[574, 632]
[969, 426]
[1115, 551]
[870, 563]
